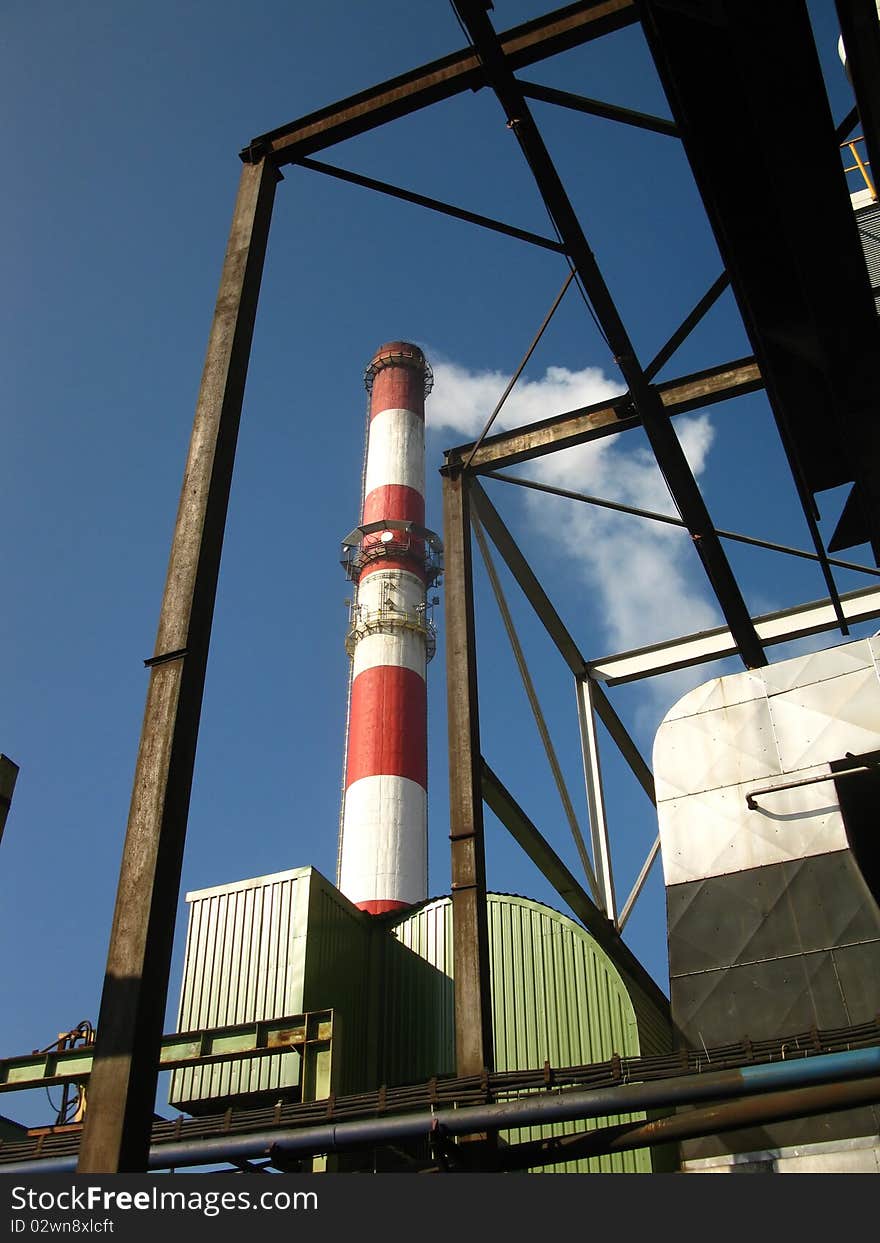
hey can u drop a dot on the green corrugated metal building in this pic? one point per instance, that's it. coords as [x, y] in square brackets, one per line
[266, 948]
[556, 997]
[290, 943]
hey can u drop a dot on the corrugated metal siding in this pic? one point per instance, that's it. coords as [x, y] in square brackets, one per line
[339, 976]
[868, 220]
[263, 948]
[418, 1023]
[581, 1012]
[428, 932]
[245, 960]
[556, 997]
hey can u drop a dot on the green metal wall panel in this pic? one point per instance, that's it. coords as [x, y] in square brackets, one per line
[428, 932]
[339, 964]
[418, 1026]
[580, 1012]
[556, 997]
[245, 960]
[271, 946]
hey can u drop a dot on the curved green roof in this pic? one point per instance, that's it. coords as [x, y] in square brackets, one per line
[557, 997]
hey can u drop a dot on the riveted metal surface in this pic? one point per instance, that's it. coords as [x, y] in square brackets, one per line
[772, 925]
[715, 832]
[719, 747]
[857, 968]
[831, 662]
[776, 996]
[718, 693]
[775, 949]
[767, 728]
[757, 999]
[823, 721]
[791, 908]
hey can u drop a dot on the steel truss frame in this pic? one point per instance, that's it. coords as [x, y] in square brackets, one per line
[126, 1058]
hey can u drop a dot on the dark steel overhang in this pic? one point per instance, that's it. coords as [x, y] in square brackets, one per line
[744, 84]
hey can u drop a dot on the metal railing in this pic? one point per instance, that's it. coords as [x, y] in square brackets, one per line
[861, 165]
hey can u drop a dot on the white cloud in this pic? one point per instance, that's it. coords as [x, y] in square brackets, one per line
[462, 400]
[645, 577]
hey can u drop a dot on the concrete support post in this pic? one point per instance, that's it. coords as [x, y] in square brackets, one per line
[116, 1135]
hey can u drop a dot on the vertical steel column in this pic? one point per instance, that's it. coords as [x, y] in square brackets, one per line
[595, 796]
[473, 1000]
[116, 1136]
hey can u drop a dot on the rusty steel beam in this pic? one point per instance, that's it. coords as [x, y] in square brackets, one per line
[575, 427]
[524, 832]
[473, 1003]
[523, 45]
[116, 1135]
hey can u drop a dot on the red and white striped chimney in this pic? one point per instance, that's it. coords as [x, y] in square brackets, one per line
[392, 559]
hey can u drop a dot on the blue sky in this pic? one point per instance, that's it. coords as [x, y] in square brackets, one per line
[122, 126]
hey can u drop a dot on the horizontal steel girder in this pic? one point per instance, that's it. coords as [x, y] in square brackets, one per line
[575, 427]
[441, 79]
[696, 649]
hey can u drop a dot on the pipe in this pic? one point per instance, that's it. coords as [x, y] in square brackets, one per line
[693, 1124]
[529, 1110]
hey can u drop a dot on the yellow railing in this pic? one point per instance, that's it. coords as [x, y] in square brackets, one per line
[860, 165]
